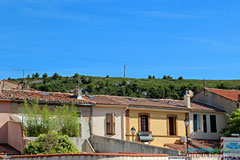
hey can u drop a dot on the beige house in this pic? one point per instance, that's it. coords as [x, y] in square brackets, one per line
[224, 99]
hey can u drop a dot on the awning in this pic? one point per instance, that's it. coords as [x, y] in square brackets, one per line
[145, 137]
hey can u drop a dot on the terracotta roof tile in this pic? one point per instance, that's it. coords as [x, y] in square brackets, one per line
[6, 149]
[229, 94]
[149, 103]
[195, 144]
[45, 97]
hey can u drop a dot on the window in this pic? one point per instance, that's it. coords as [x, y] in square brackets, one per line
[144, 123]
[196, 122]
[213, 123]
[172, 125]
[204, 123]
[110, 123]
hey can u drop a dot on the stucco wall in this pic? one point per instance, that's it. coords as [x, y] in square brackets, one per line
[111, 145]
[158, 126]
[4, 117]
[99, 120]
[210, 98]
[220, 120]
[15, 135]
[93, 156]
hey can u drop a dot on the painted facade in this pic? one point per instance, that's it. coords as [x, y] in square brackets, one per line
[99, 126]
[206, 131]
[158, 125]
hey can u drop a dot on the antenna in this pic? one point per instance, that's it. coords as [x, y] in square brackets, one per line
[22, 70]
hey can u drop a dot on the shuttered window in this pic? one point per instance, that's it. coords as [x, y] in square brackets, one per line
[110, 123]
[144, 123]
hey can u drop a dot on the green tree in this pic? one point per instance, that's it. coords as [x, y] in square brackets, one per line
[50, 143]
[55, 76]
[67, 119]
[36, 121]
[107, 76]
[45, 76]
[234, 123]
[76, 76]
[149, 77]
[164, 77]
[36, 75]
[180, 78]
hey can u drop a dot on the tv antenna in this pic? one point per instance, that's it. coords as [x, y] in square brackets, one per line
[23, 71]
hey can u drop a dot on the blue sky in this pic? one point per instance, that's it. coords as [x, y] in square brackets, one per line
[194, 39]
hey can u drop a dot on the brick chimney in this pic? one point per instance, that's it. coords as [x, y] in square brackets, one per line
[77, 92]
[187, 98]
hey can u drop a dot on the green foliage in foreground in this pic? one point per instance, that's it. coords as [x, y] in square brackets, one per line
[40, 120]
[50, 143]
[234, 123]
[152, 87]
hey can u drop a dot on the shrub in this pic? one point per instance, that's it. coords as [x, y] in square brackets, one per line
[67, 119]
[63, 119]
[50, 143]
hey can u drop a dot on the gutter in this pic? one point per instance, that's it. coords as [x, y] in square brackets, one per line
[123, 125]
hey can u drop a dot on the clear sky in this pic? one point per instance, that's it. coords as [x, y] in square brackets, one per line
[196, 39]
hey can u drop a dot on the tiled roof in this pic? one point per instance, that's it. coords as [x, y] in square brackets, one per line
[44, 97]
[229, 94]
[149, 103]
[197, 145]
[6, 149]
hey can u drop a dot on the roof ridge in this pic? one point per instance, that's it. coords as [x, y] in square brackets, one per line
[222, 89]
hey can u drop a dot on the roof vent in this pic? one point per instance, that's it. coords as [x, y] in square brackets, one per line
[131, 99]
[44, 94]
[152, 100]
[89, 96]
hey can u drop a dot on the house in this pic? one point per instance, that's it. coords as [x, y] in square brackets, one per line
[10, 85]
[156, 121]
[12, 100]
[227, 100]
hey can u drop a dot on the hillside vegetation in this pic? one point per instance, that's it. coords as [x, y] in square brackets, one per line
[166, 87]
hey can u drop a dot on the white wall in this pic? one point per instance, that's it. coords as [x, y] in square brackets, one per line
[99, 120]
[220, 120]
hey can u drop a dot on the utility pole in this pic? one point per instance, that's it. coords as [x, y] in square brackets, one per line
[124, 71]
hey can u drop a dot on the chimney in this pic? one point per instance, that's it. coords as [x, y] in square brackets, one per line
[187, 99]
[77, 92]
